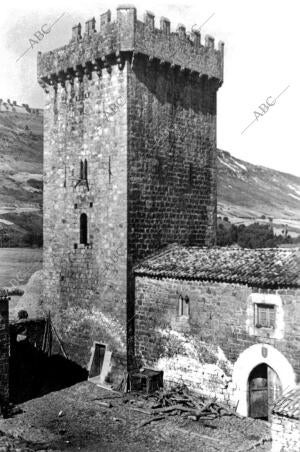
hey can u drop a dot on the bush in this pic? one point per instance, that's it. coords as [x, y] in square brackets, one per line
[254, 235]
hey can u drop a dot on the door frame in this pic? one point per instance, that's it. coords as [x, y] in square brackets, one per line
[106, 366]
[250, 358]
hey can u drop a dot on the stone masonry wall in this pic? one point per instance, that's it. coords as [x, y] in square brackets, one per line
[202, 347]
[4, 352]
[285, 434]
[172, 158]
[85, 286]
[171, 161]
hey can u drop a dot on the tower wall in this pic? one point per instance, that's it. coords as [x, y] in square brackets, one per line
[151, 166]
[172, 158]
[85, 285]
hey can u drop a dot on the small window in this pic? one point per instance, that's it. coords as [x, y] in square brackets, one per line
[184, 306]
[83, 229]
[265, 316]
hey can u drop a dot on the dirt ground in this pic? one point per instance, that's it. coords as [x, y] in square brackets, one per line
[73, 419]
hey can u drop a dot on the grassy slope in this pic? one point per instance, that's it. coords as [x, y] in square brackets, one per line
[21, 166]
[247, 191]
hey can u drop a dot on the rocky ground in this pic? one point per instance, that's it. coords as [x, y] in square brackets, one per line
[76, 418]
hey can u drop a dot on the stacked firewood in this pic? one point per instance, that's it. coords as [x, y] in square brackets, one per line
[179, 401]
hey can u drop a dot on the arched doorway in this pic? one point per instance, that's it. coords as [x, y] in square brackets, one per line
[264, 387]
[250, 358]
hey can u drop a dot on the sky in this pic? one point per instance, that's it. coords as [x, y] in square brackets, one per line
[261, 63]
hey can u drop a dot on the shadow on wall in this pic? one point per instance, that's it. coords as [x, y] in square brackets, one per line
[34, 374]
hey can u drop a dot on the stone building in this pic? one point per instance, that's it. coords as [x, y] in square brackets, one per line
[129, 167]
[224, 321]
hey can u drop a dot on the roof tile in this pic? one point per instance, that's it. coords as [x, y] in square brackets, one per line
[264, 267]
[289, 404]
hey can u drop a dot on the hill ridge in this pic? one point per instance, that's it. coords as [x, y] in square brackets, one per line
[246, 192]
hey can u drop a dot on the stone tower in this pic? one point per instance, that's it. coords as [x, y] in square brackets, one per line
[130, 167]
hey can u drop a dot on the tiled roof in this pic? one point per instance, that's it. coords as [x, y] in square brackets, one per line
[265, 267]
[289, 404]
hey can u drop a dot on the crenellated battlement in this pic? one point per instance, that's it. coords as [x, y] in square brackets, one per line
[117, 41]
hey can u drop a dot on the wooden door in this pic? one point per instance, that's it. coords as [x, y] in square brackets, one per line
[274, 388]
[263, 389]
[97, 361]
[258, 392]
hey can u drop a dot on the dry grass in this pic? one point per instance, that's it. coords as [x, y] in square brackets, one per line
[17, 265]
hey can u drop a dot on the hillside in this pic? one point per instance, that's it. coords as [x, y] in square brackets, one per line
[246, 192]
[21, 187]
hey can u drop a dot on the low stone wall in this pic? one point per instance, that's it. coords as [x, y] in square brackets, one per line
[285, 434]
[207, 379]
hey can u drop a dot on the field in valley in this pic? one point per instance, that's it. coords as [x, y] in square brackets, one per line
[18, 264]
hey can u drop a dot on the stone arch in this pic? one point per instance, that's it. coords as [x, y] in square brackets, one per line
[250, 358]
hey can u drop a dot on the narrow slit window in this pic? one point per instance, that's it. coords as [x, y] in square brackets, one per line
[85, 171]
[83, 229]
[109, 170]
[65, 181]
[180, 306]
[183, 306]
[81, 176]
[186, 306]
